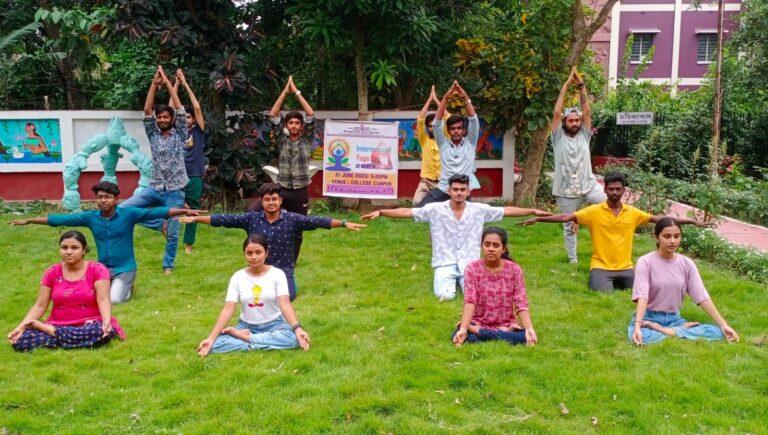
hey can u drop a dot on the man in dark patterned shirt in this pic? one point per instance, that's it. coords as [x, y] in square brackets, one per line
[280, 227]
[167, 134]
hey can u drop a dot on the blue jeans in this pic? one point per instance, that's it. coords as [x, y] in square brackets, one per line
[511, 337]
[673, 320]
[274, 335]
[150, 197]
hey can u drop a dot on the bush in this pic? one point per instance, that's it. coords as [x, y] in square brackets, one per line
[707, 245]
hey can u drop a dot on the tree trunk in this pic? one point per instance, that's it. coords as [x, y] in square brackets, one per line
[362, 79]
[403, 94]
[525, 190]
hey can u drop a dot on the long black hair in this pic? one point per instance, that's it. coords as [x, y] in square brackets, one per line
[77, 235]
[504, 239]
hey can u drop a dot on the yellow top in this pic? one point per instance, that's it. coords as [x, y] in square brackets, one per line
[612, 235]
[430, 153]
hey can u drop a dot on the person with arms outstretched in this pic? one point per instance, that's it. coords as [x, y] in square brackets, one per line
[573, 183]
[112, 229]
[612, 226]
[279, 226]
[455, 227]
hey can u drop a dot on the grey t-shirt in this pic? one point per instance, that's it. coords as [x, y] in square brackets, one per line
[573, 164]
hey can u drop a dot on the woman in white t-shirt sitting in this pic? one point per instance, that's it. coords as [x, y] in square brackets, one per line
[662, 279]
[267, 319]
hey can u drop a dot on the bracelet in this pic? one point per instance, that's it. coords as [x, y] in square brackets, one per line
[295, 327]
[344, 223]
[298, 92]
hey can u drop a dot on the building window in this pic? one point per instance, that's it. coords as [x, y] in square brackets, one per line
[706, 49]
[641, 45]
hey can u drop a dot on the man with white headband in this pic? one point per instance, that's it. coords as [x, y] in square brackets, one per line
[574, 181]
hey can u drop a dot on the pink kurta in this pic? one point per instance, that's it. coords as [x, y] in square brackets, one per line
[496, 296]
[74, 302]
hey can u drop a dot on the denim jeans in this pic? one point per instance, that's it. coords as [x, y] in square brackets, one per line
[122, 286]
[150, 197]
[446, 278]
[511, 337]
[673, 320]
[274, 335]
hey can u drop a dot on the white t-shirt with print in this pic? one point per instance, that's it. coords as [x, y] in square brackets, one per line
[257, 295]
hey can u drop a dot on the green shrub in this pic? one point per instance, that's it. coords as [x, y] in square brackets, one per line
[707, 245]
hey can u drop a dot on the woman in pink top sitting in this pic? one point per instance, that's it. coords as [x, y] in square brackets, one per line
[662, 279]
[494, 297]
[81, 313]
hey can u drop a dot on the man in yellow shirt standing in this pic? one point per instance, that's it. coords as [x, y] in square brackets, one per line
[430, 153]
[612, 227]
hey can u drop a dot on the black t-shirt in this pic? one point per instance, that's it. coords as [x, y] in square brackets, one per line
[194, 158]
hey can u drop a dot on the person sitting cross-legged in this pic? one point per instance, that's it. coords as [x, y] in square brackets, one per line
[267, 319]
[78, 292]
[662, 279]
[494, 297]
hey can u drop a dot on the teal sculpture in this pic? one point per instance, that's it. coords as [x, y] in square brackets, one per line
[114, 139]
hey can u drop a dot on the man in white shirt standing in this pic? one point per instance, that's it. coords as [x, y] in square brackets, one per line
[574, 182]
[456, 227]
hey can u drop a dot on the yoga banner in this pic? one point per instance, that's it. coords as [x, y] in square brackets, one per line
[360, 159]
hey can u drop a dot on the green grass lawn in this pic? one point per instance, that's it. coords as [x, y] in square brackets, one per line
[381, 357]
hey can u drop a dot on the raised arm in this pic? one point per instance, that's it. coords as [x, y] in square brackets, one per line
[275, 110]
[396, 213]
[517, 211]
[468, 101]
[557, 116]
[171, 90]
[176, 85]
[304, 104]
[444, 102]
[149, 103]
[558, 218]
[586, 111]
[425, 108]
[199, 118]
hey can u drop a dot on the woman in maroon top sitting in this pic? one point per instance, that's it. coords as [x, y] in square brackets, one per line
[495, 305]
[81, 313]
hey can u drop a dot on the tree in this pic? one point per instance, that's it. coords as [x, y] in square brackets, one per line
[522, 61]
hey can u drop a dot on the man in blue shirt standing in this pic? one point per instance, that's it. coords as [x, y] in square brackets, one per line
[167, 133]
[280, 227]
[457, 153]
[112, 229]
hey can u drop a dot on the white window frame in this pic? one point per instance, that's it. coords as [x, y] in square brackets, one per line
[642, 32]
[713, 52]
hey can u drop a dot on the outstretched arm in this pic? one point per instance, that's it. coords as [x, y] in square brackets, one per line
[586, 111]
[516, 211]
[558, 218]
[193, 219]
[684, 221]
[275, 110]
[557, 117]
[185, 212]
[37, 221]
[150, 101]
[396, 213]
[304, 104]
[335, 223]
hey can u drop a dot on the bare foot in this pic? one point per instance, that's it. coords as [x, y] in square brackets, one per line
[168, 271]
[656, 327]
[473, 329]
[42, 327]
[242, 334]
[188, 249]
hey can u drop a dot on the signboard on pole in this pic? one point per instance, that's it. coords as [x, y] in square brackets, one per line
[634, 118]
[360, 159]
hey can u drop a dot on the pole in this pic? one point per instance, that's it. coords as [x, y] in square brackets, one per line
[714, 154]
